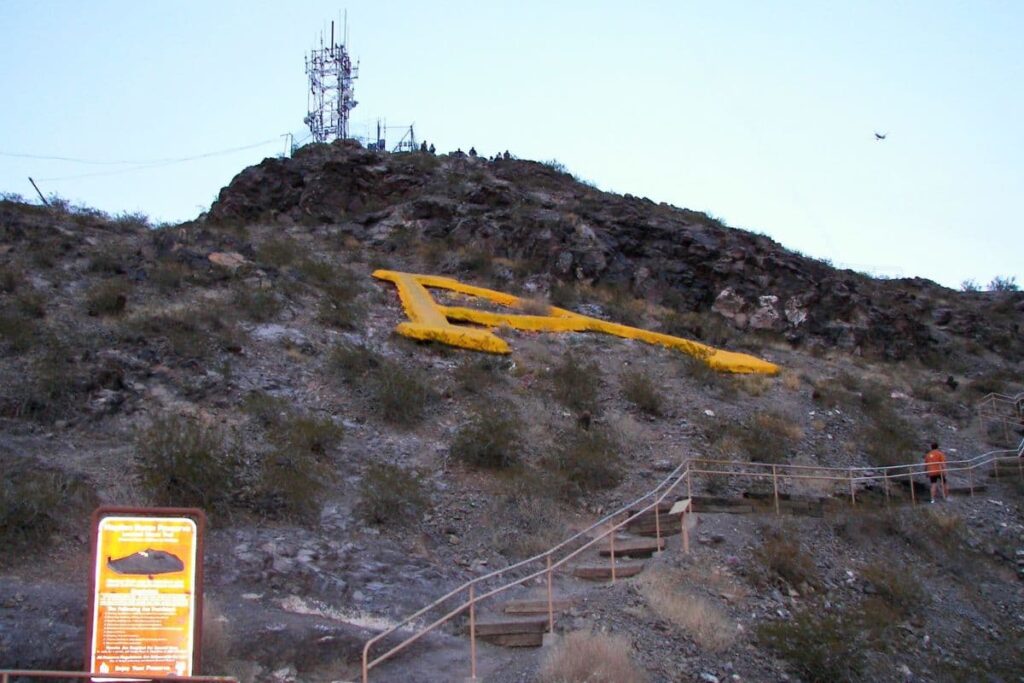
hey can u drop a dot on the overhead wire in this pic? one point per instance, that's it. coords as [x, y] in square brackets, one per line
[132, 165]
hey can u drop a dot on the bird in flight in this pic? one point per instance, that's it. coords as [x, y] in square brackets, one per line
[880, 136]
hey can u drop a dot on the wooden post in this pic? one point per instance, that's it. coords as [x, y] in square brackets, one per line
[775, 487]
[686, 532]
[995, 467]
[41, 197]
[657, 524]
[472, 632]
[689, 484]
[853, 493]
[913, 494]
[611, 544]
[970, 479]
[886, 484]
[551, 606]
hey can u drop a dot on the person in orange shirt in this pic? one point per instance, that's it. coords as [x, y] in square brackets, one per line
[935, 467]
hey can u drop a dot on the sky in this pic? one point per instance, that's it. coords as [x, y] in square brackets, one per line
[760, 113]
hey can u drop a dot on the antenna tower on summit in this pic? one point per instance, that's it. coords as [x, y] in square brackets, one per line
[330, 97]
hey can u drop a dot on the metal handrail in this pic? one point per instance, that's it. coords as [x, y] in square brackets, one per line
[677, 473]
[684, 471]
[5, 675]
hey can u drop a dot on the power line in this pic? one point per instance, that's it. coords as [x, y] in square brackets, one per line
[134, 165]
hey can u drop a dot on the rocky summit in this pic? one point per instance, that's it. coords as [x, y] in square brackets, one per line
[248, 363]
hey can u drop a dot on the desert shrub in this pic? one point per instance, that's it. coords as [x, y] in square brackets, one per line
[259, 305]
[889, 439]
[17, 331]
[490, 439]
[532, 519]
[1003, 284]
[267, 410]
[342, 314]
[31, 304]
[565, 295]
[639, 389]
[824, 647]
[278, 252]
[389, 494]
[622, 307]
[709, 328]
[291, 484]
[169, 275]
[584, 657]
[400, 394]
[132, 219]
[10, 279]
[477, 373]
[576, 384]
[192, 332]
[110, 262]
[184, 464]
[306, 433]
[35, 499]
[535, 306]
[754, 385]
[694, 615]
[766, 437]
[782, 558]
[586, 461]
[107, 298]
[476, 261]
[353, 361]
[896, 586]
[50, 387]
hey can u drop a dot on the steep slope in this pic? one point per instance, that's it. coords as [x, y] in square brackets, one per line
[344, 468]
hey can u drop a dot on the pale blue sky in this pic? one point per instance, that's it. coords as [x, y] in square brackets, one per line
[761, 113]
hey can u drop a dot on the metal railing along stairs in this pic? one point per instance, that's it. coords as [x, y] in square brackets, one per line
[466, 598]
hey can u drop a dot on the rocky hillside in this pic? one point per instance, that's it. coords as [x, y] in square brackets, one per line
[246, 362]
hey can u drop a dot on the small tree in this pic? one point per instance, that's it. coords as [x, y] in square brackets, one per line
[1003, 284]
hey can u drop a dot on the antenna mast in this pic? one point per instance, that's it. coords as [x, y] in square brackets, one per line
[331, 96]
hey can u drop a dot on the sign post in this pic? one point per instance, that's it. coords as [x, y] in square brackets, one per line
[145, 609]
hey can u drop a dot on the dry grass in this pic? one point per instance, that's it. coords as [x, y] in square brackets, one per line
[693, 614]
[535, 306]
[216, 639]
[791, 380]
[754, 385]
[584, 657]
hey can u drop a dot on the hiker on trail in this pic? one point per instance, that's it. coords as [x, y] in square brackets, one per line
[935, 467]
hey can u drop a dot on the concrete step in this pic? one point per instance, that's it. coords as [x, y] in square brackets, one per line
[534, 606]
[634, 547]
[603, 571]
[645, 526]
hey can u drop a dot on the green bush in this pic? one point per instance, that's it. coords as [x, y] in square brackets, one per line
[10, 279]
[576, 384]
[35, 499]
[401, 395]
[390, 494]
[639, 389]
[490, 439]
[587, 461]
[824, 647]
[258, 305]
[477, 373]
[193, 332]
[278, 252]
[291, 485]
[107, 298]
[342, 314]
[897, 586]
[353, 362]
[307, 433]
[17, 331]
[51, 386]
[184, 464]
[781, 557]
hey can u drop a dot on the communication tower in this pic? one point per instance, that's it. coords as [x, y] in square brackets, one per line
[330, 97]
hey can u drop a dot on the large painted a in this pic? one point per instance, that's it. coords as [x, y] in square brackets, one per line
[429, 320]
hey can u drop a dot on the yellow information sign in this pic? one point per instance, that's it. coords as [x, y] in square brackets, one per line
[144, 600]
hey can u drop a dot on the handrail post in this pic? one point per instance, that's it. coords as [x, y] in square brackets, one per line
[913, 494]
[995, 466]
[775, 488]
[551, 607]
[611, 546]
[689, 484]
[970, 479]
[682, 527]
[657, 524]
[853, 492]
[472, 631]
[886, 484]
